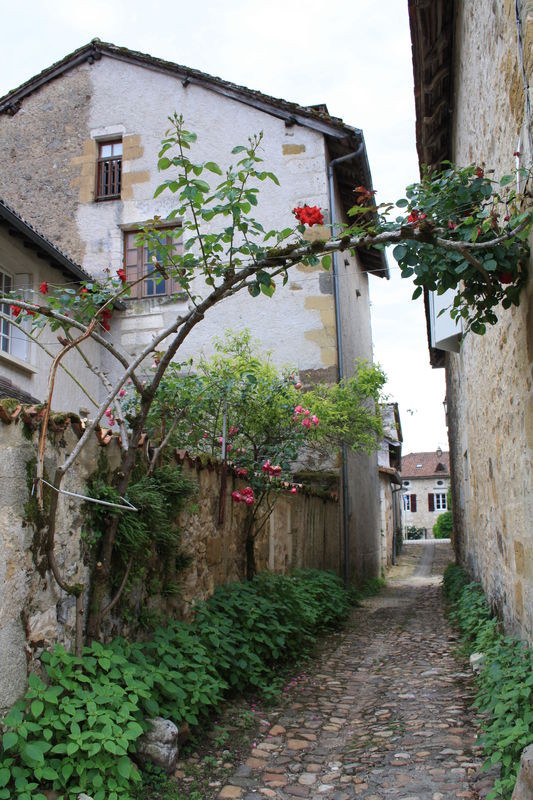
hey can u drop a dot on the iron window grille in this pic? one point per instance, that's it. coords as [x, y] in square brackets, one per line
[109, 170]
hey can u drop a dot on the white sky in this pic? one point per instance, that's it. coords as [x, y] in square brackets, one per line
[353, 55]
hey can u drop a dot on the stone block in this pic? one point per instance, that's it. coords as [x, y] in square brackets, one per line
[159, 745]
[13, 669]
[42, 627]
[523, 789]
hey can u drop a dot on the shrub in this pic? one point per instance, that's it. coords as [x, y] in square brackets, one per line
[443, 528]
[504, 687]
[77, 731]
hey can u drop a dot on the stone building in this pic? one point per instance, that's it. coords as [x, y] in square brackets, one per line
[390, 484]
[78, 147]
[473, 67]
[425, 483]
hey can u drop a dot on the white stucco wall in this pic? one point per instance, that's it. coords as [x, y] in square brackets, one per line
[135, 101]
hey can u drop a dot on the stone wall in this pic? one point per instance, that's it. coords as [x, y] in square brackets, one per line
[303, 531]
[489, 383]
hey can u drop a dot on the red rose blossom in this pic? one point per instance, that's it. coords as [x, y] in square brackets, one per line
[16, 310]
[479, 172]
[122, 275]
[308, 215]
[506, 277]
[43, 288]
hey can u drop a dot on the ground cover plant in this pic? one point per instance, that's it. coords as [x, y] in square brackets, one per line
[77, 727]
[504, 696]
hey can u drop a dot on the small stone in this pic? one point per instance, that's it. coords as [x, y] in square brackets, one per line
[230, 793]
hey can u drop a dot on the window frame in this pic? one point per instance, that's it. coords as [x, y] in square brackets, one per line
[440, 501]
[101, 161]
[138, 292]
[8, 332]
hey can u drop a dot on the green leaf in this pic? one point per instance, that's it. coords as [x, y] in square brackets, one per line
[5, 776]
[212, 167]
[505, 180]
[32, 753]
[326, 261]
[124, 767]
[417, 292]
[37, 708]
[238, 149]
[399, 252]
[9, 740]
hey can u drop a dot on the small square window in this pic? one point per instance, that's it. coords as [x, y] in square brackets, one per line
[139, 263]
[109, 170]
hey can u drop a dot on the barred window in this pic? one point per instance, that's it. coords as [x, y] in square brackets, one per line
[109, 170]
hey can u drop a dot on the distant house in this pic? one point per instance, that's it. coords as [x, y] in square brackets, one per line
[28, 259]
[425, 483]
[473, 71]
[79, 150]
[390, 484]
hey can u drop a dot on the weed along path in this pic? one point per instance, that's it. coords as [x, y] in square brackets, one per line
[383, 714]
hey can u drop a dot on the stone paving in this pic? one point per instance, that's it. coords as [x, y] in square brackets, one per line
[385, 715]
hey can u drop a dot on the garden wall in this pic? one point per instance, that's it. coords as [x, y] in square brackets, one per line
[303, 531]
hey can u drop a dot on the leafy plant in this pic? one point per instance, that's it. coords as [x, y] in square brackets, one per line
[505, 685]
[443, 528]
[77, 731]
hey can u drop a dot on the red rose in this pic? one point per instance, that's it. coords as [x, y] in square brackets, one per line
[506, 277]
[43, 288]
[122, 275]
[84, 290]
[309, 215]
[413, 216]
[479, 172]
[16, 310]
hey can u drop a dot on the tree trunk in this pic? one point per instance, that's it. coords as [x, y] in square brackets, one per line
[251, 568]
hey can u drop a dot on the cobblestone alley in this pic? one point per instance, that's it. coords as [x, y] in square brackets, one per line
[385, 715]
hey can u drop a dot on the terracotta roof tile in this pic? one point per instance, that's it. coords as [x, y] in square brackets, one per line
[425, 465]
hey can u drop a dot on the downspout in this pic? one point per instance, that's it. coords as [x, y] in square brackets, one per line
[340, 357]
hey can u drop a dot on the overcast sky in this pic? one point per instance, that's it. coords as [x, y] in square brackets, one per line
[353, 55]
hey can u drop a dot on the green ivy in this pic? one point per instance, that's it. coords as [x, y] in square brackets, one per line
[504, 686]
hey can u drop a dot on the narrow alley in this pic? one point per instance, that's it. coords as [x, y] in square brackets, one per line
[386, 714]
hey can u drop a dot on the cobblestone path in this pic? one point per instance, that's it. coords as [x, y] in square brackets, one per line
[385, 714]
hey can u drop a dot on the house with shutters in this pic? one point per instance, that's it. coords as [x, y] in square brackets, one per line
[425, 483]
[79, 149]
[473, 73]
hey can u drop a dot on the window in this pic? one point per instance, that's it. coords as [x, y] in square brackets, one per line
[437, 501]
[139, 262]
[409, 502]
[12, 340]
[109, 170]
[406, 483]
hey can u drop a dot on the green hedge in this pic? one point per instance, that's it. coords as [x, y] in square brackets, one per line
[504, 686]
[76, 730]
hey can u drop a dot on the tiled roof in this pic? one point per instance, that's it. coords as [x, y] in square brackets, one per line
[43, 245]
[342, 139]
[425, 465]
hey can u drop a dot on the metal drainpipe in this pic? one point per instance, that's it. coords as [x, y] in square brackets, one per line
[340, 359]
